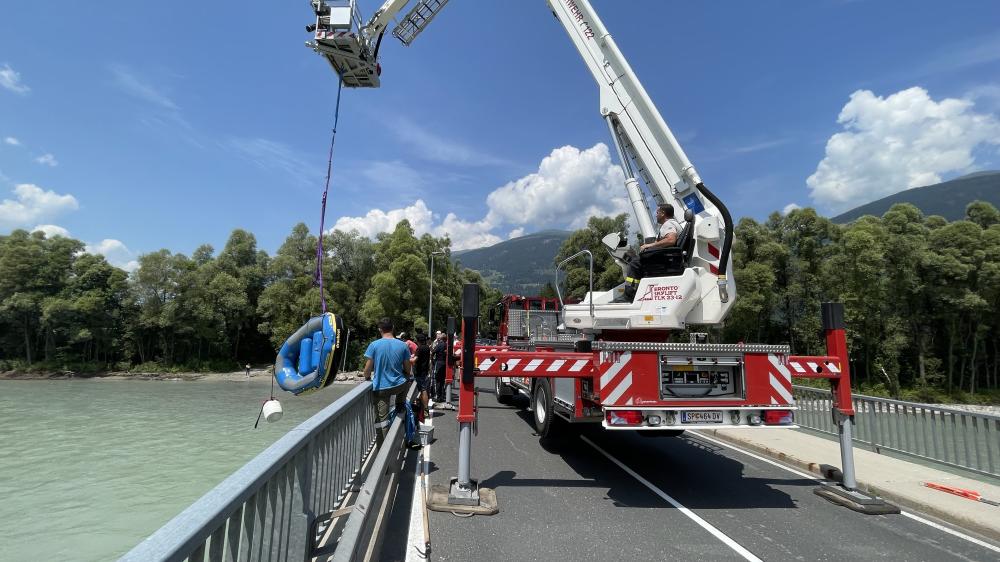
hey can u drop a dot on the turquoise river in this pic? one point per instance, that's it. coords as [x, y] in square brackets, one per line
[89, 468]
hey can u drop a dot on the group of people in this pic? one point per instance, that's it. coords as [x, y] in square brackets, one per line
[429, 360]
[391, 361]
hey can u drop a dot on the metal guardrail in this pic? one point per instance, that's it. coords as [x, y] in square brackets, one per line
[274, 507]
[957, 438]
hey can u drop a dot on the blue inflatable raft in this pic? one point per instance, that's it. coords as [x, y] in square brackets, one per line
[308, 359]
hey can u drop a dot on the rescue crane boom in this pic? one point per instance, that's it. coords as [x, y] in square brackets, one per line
[670, 295]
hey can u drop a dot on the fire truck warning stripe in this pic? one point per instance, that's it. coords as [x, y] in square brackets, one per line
[532, 365]
[511, 363]
[613, 370]
[556, 365]
[795, 365]
[726, 539]
[619, 390]
[485, 364]
[781, 368]
[579, 365]
[780, 389]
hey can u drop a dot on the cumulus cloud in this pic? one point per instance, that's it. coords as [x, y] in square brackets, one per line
[570, 186]
[11, 141]
[33, 204]
[898, 142]
[116, 252]
[48, 160]
[11, 80]
[51, 230]
[790, 207]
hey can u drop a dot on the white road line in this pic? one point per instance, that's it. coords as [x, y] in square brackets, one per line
[917, 518]
[973, 540]
[746, 554]
[415, 539]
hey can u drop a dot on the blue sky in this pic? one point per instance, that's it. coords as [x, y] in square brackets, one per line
[137, 130]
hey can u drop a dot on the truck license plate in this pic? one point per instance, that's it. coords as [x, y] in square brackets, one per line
[702, 417]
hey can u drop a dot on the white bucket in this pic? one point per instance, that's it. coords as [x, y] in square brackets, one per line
[272, 410]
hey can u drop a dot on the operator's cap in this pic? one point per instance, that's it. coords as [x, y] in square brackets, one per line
[401, 335]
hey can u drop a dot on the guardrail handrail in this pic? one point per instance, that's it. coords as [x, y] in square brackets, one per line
[591, 281]
[949, 436]
[269, 506]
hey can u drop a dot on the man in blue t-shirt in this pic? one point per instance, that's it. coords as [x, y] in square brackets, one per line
[390, 359]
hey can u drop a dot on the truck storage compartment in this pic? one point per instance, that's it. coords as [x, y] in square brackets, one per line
[711, 377]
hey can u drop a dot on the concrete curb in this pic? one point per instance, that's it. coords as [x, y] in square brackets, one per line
[833, 473]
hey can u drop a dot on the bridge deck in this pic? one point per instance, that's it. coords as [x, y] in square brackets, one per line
[565, 499]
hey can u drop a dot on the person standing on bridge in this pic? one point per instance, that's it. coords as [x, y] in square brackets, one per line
[438, 354]
[389, 358]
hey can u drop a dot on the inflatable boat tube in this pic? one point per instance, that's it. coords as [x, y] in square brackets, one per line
[308, 359]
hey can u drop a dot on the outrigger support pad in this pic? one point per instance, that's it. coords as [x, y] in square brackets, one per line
[845, 492]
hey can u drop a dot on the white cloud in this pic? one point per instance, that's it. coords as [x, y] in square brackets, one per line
[51, 230]
[437, 149]
[32, 205]
[115, 251]
[48, 160]
[898, 142]
[11, 80]
[393, 174]
[762, 145]
[274, 156]
[139, 88]
[12, 141]
[569, 187]
[790, 207]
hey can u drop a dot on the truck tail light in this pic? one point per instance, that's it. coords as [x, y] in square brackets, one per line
[624, 417]
[777, 417]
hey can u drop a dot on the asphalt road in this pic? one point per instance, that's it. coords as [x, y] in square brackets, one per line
[565, 499]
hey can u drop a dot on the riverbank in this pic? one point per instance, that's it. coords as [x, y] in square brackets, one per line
[257, 376]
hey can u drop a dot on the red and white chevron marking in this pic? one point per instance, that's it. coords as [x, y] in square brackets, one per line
[616, 382]
[813, 366]
[781, 384]
[528, 363]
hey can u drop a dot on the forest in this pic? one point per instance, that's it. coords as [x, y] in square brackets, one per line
[65, 310]
[921, 296]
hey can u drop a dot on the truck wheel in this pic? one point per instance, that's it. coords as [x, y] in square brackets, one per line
[503, 392]
[541, 408]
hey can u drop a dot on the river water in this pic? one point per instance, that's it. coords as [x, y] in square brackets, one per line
[90, 468]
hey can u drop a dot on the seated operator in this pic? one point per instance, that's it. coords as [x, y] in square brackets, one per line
[670, 228]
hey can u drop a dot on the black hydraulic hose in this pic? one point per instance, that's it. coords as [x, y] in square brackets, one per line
[727, 242]
[378, 43]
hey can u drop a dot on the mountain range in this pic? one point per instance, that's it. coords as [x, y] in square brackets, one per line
[947, 199]
[520, 265]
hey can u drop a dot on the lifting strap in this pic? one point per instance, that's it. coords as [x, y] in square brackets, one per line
[318, 279]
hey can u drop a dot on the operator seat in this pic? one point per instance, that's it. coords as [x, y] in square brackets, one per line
[670, 261]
